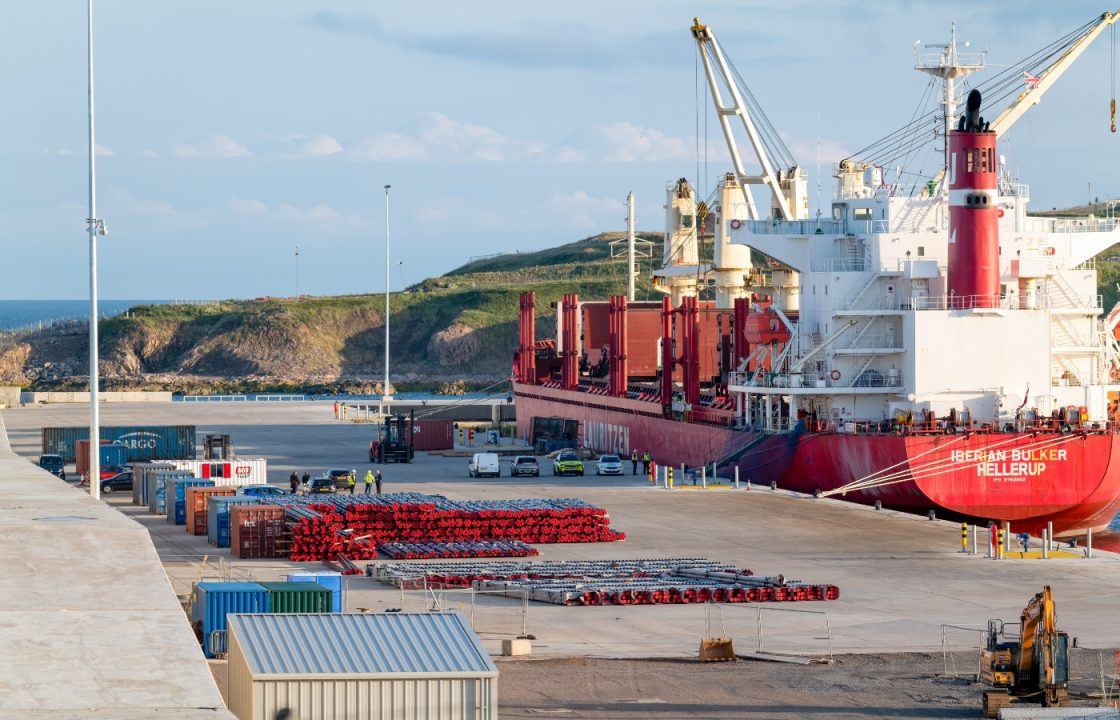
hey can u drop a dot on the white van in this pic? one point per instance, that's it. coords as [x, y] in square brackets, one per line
[484, 465]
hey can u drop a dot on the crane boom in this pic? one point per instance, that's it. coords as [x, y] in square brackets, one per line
[788, 190]
[1048, 77]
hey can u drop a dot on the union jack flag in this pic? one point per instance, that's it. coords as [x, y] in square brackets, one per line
[1031, 80]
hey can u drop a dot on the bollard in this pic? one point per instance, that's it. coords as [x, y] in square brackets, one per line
[736, 477]
[1089, 542]
[1006, 544]
[975, 540]
[669, 477]
[704, 476]
[1045, 544]
[715, 473]
[1050, 534]
[1000, 544]
[964, 538]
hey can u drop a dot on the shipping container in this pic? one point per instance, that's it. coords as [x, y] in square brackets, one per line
[198, 506]
[157, 485]
[227, 473]
[329, 579]
[144, 442]
[175, 497]
[211, 602]
[256, 531]
[217, 522]
[140, 472]
[111, 454]
[430, 434]
[297, 597]
[367, 665]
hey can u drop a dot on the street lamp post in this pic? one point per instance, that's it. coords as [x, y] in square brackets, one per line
[297, 271]
[386, 393]
[96, 227]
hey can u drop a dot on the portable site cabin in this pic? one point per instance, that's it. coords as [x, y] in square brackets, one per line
[405, 666]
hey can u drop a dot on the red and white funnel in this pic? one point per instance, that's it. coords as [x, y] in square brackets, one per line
[973, 216]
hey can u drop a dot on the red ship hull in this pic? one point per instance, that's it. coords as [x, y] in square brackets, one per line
[1027, 479]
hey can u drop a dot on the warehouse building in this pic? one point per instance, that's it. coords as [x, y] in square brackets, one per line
[407, 666]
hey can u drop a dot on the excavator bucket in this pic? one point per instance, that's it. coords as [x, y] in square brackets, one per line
[716, 649]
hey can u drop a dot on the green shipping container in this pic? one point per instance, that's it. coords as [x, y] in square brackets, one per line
[297, 597]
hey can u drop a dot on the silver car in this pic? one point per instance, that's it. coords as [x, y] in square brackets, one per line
[608, 465]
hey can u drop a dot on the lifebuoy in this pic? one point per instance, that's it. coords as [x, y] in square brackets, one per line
[1000, 214]
[1050, 251]
[835, 374]
[736, 224]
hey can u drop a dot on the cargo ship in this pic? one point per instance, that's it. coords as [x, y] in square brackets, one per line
[926, 345]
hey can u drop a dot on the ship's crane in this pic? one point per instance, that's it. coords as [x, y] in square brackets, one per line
[1032, 668]
[788, 185]
[1048, 77]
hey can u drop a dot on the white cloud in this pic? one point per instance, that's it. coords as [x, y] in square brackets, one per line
[124, 202]
[245, 206]
[213, 146]
[313, 146]
[103, 151]
[149, 153]
[584, 211]
[443, 139]
[805, 149]
[626, 142]
[567, 154]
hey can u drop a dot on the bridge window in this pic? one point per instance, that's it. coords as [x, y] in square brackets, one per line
[921, 251]
[861, 213]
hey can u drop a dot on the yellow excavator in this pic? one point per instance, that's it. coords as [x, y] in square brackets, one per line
[1032, 667]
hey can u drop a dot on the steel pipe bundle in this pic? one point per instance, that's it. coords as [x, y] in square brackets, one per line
[324, 526]
[465, 549]
[607, 582]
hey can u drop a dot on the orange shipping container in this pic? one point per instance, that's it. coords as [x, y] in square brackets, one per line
[256, 531]
[198, 503]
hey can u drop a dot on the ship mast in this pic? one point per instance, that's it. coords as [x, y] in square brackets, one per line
[949, 65]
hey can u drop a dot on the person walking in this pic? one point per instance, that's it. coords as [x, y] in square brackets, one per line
[368, 480]
[352, 481]
[646, 459]
[377, 480]
[293, 481]
[634, 462]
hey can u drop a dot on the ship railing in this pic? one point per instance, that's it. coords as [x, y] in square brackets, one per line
[833, 264]
[819, 226]
[1014, 189]
[1071, 225]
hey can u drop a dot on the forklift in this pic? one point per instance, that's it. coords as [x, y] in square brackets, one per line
[394, 443]
[1030, 668]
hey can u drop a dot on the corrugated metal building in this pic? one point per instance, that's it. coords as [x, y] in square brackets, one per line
[405, 666]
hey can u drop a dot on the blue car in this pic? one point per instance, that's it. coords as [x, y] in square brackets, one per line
[261, 490]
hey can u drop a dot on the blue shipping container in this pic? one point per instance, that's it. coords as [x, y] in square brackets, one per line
[217, 519]
[328, 579]
[143, 442]
[155, 496]
[212, 601]
[175, 496]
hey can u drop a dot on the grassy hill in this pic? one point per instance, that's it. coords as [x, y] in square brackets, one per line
[458, 326]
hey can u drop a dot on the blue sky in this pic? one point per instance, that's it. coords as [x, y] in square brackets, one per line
[233, 131]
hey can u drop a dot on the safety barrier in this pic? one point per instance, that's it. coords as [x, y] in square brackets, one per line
[951, 647]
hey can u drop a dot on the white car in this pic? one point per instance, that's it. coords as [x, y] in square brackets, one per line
[608, 465]
[484, 465]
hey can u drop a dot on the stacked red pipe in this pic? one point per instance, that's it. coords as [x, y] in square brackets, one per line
[324, 527]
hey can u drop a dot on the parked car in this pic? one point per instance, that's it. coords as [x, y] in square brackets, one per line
[525, 465]
[342, 477]
[567, 462]
[111, 471]
[319, 485]
[261, 490]
[484, 465]
[608, 465]
[53, 464]
[119, 481]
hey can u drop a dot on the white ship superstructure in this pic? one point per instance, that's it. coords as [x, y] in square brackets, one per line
[876, 332]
